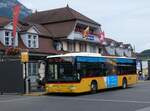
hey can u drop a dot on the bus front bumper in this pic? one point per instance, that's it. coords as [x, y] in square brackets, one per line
[62, 88]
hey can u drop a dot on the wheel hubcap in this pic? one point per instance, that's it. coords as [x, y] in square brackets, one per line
[93, 87]
[124, 85]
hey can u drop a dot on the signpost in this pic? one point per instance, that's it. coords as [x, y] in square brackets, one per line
[25, 60]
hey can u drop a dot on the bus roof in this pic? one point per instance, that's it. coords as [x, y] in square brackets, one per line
[85, 54]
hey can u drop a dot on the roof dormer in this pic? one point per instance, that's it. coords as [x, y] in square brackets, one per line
[6, 36]
[30, 36]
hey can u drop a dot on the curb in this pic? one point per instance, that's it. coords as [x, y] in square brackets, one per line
[142, 81]
[35, 94]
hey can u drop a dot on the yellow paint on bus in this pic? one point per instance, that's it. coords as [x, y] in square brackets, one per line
[85, 84]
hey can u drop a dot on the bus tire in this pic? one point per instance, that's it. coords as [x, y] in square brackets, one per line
[94, 87]
[124, 83]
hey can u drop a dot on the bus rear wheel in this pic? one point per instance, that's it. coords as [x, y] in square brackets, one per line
[94, 87]
[124, 84]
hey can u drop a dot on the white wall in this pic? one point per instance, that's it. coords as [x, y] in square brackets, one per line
[41, 70]
[119, 51]
[71, 35]
[128, 52]
[24, 39]
[77, 47]
[110, 50]
[32, 30]
[2, 34]
[64, 45]
[9, 26]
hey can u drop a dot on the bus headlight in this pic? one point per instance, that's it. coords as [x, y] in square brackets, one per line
[47, 88]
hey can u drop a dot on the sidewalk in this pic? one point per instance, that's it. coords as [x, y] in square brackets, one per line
[142, 81]
[35, 94]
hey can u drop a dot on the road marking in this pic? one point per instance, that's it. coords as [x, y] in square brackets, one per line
[144, 109]
[102, 100]
[77, 99]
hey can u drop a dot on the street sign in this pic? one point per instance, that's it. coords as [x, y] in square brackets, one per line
[24, 57]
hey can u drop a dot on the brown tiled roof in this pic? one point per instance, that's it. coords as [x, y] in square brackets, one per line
[25, 26]
[109, 41]
[42, 30]
[58, 15]
[4, 21]
[60, 30]
[21, 44]
[127, 45]
[45, 47]
[59, 22]
[45, 44]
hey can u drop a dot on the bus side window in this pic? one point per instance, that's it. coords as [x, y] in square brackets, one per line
[104, 69]
[118, 70]
[110, 69]
[81, 69]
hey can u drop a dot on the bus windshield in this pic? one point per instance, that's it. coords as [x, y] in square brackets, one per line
[61, 70]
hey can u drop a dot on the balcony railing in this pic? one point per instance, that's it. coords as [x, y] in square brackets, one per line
[79, 36]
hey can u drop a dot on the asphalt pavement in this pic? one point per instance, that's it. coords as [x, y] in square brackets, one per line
[135, 98]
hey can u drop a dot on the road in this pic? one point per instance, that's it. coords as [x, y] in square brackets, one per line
[135, 98]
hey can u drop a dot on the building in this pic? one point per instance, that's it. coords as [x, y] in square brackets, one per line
[143, 63]
[70, 38]
[31, 37]
[66, 26]
[56, 31]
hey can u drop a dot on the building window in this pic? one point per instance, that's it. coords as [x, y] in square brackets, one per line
[92, 48]
[71, 46]
[32, 41]
[100, 50]
[7, 34]
[33, 69]
[9, 39]
[58, 45]
[82, 47]
[29, 41]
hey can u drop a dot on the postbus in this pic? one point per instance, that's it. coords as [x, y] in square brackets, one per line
[84, 72]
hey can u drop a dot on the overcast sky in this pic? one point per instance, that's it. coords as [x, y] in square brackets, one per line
[126, 21]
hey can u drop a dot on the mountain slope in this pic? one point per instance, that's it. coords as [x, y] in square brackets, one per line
[6, 7]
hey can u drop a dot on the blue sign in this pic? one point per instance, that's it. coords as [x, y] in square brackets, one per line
[90, 37]
[112, 81]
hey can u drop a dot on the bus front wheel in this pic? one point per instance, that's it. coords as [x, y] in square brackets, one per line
[124, 83]
[94, 87]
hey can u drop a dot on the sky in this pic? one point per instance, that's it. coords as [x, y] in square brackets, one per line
[126, 21]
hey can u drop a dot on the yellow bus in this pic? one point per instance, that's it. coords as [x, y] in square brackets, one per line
[84, 72]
